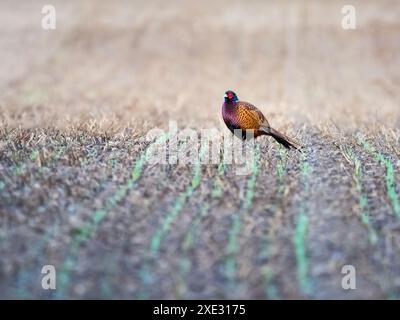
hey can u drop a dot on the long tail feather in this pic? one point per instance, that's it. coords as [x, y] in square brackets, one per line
[281, 138]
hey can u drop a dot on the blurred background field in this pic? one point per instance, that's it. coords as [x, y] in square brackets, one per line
[76, 103]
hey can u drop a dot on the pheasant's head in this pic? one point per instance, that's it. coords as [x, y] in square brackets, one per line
[230, 96]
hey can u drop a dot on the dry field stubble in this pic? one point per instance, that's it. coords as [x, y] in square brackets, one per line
[76, 191]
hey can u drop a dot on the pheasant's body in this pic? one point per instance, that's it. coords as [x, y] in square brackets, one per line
[244, 116]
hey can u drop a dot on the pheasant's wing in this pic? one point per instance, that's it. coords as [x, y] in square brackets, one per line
[253, 112]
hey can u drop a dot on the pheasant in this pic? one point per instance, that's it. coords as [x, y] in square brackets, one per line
[244, 116]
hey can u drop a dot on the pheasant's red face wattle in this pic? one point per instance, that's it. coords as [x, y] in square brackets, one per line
[230, 96]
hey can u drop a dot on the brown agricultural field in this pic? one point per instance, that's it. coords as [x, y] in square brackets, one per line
[76, 191]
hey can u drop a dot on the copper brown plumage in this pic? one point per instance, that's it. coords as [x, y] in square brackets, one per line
[244, 116]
